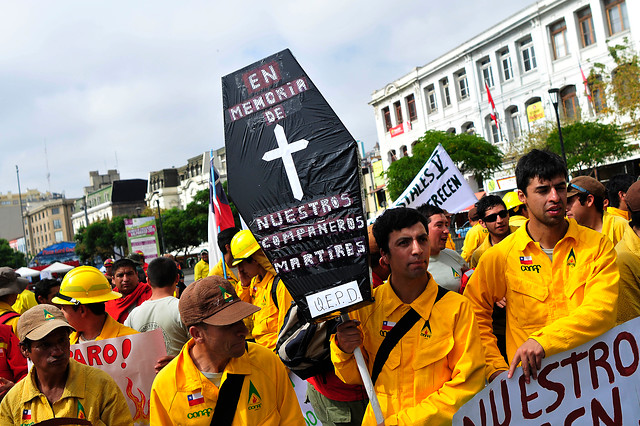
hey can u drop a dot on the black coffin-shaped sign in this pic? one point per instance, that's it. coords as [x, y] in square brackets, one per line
[293, 173]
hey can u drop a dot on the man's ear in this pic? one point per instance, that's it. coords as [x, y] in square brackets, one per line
[196, 333]
[590, 200]
[522, 196]
[384, 259]
[481, 222]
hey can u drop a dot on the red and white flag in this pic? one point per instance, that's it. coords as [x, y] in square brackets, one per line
[586, 83]
[494, 113]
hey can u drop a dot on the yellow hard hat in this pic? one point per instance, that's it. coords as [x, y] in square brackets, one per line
[84, 285]
[511, 200]
[243, 245]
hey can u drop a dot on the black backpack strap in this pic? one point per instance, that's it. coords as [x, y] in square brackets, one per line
[393, 337]
[7, 316]
[274, 290]
[227, 400]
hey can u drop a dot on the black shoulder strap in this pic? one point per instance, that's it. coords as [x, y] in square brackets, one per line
[274, 290]
[227, 400]
[393, 337]
[7, 316]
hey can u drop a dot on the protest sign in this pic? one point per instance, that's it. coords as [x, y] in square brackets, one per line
[142, 235]
[596, 383]
[440, 184]
[300, 388]
[129, 360]
[294, 175]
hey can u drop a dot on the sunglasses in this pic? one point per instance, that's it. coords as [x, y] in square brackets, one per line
[493, 217]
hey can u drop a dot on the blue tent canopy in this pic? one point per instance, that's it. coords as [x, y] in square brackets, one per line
[60, 252]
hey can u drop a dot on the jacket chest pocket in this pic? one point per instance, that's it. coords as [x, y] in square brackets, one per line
[430, 366]
[527, 302]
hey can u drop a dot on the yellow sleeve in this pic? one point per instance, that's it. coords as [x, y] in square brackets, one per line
[13, 322]
[25, 301]
[158, 414]
[475, 236]
[467, 378]
[596, 314]
[7, 406]
[486, 286]
[345, 364]
[115, 411]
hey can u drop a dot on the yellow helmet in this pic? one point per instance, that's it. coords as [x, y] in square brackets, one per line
[511, 200]
[84, 285]
[243, 245]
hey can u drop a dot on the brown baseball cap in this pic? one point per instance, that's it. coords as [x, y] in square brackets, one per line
[586, 185]
[37, 322]
[373, 244]
[10, 282]
[632, 197]
[213, 300]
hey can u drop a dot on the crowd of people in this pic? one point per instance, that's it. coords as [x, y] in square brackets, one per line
[543, 269]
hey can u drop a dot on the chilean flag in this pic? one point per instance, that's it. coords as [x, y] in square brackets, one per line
[526, 260]
[195, 399]
[387, 325]
[218, 201]
[494, 114]
[26, 414]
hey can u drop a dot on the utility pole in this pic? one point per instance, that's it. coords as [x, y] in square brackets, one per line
[24, 233]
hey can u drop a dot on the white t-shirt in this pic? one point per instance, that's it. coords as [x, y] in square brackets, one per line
[446, 269]
[162, 313]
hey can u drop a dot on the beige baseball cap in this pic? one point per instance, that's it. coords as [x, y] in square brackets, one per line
[37, 322]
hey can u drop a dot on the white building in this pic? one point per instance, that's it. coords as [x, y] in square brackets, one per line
[520, 59]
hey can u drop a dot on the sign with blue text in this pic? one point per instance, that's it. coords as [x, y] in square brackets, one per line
[294, 175]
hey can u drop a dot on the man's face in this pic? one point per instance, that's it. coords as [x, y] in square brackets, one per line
[126, 279]
[51, 353]
[225, 340]
[248, 269]
[546, 200]
[438, 233]
[205, 257]
[228, 257]
[73, 317]
[52, 293]
[582, 214]
[108, 270]
[496, 225]
[408, 256]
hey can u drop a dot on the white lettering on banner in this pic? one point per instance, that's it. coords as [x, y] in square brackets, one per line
[334, 298]
[440, 184]
[316, 208]
[284, 151]
[129, 360]
[596, 383]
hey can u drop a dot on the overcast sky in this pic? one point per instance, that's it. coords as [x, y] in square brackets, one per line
[135, 85]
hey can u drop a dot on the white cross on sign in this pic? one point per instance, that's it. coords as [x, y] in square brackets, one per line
[284, 151]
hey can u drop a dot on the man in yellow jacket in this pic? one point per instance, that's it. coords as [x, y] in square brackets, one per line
[475, 236]
[218, 365]
[435, 367]
[560, 279]
[628, 260]
[617, 188]
[585, 203]
[201, 269]
[261, 287]
[224, 244]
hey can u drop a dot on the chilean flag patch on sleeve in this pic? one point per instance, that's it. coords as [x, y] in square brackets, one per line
[195, 399]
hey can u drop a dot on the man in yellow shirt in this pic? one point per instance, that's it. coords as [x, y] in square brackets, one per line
[494, 217]
[475, 236]
[585, 203]
[518, 214]
[616, 193]
[218, 365]
[83, 293]
[201, 269]
[438, 364]
[628, 260]
[559, 279]
[58, 387]
[224, 244]
[11, 285]
[261, 287]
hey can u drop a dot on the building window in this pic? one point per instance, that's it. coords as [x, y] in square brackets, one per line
[585, 24]
[391, 155]
[411, 107]
[570, 107]
[527, 54]
[463, 86]
[57, 224]
[558, 33]
[58, 236]
[403, 151]
[486, 72]
[617, 19]
[386, 115]
[514, 122]
[446, 95]
[596, 90]
[492, 129]
[55, 210]
[469, 128]
[505, 62]
[432, 105]
[398, 109]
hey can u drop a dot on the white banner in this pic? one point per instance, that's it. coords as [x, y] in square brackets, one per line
[596, 383]
[129, 360]
[300, 387]
[440, 184]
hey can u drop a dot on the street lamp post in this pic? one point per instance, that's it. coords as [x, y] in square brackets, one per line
[554, 94]
[160, 223]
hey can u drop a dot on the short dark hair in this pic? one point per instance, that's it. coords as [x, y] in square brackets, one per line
[615, 185]
[487, 202]
[123, 263]
[598, 201]
[428, 210]
[542, 164]
[225, 236]
[394, 220]
[95, 308]
[43, 287]
[162, 272]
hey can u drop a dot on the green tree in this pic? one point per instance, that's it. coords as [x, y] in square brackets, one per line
[10, 257]
[588, 144]
[99, 239]
[471, 153]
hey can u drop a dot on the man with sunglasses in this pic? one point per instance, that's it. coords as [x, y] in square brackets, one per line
[560, 279]
[585, 203]
[494, 217]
